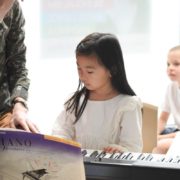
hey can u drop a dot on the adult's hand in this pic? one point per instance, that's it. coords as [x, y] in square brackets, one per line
[20, 119]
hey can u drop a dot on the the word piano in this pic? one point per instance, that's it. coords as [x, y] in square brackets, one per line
[130, 166]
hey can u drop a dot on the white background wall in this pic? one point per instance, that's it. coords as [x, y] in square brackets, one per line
[53, 79]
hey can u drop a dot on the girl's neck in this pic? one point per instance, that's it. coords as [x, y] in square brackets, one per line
[101, 96]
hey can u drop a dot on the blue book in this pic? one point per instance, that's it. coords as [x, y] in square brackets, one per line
[31, 156]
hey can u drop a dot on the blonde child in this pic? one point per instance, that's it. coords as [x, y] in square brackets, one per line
[171, 105]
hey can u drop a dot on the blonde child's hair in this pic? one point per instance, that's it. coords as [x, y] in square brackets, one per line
[175, 48]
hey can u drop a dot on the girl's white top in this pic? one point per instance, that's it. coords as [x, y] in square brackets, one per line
[171, 102]
[114, 122]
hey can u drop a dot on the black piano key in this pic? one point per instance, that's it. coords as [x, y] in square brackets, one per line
[84, 152]
[169, 159]
[143, 157]
[120, 154]
[123, 156]
[100, 156]
[128, 156]
[94, 154]
[117, 155]
[107, 155]
[140, 156]
[134, 156]
[176, 159]
[162, 160]
[112, 156]
[149, 157]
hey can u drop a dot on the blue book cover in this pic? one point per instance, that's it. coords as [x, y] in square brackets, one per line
[31, 156]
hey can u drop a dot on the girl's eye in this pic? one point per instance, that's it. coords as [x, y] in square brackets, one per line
[176, 64]
[89, 72]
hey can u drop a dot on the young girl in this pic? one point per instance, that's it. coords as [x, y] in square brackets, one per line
[171, 103]
[104, 113]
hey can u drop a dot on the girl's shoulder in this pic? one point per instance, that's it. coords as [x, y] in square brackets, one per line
[128, 99]
[127, 102]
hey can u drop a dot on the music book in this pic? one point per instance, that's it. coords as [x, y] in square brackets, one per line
[31, 156]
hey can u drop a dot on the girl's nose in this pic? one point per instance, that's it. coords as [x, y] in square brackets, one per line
[81, 76]
[170, 67]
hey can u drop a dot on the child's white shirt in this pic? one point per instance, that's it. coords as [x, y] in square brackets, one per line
[115, 122]
[171, 102]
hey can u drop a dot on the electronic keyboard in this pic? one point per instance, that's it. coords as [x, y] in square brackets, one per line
[130, 166]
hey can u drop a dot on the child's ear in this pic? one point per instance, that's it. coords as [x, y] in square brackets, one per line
[110, 74]
[113, 71]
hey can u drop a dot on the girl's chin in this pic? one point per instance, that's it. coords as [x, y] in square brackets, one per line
[172, 78]
[87, 86]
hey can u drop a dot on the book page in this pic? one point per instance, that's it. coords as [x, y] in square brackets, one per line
[35, 156]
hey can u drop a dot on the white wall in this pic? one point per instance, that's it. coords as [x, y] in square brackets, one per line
[53, 79]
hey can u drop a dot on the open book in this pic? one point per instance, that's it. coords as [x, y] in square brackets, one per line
[30, 156]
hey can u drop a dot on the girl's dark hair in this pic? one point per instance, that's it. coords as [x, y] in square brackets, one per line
[107, 49]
